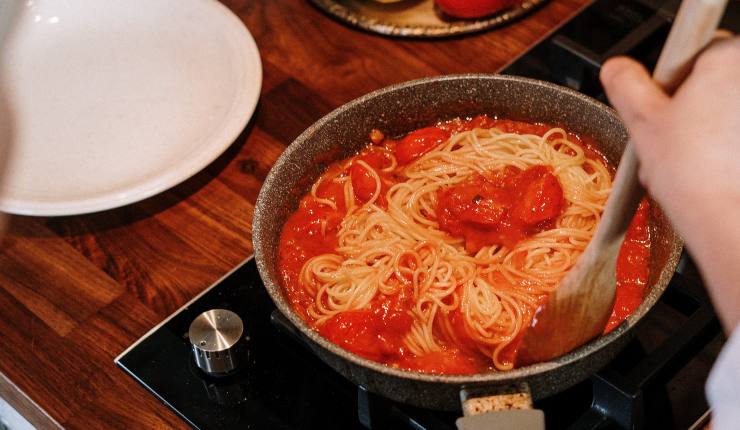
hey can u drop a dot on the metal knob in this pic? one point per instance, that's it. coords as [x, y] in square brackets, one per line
[216, 338]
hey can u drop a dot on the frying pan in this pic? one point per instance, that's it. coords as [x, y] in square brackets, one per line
[404, 107]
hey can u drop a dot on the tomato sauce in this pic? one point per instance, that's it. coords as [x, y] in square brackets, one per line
[501, 207]
[374, 333]
[632, 267]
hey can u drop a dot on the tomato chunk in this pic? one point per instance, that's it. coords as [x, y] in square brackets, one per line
[374, 158]
[473, 8]
[375, 332]
[541, 196]
[354, 331]
[363, 182]
[419, 142]
[503, 207]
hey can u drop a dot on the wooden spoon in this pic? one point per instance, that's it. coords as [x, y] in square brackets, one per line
[578, 310]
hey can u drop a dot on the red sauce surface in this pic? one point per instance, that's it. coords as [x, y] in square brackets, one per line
[499, 207]
[632, 267]
[502, 207]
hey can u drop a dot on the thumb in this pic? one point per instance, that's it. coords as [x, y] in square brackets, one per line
[631, 91]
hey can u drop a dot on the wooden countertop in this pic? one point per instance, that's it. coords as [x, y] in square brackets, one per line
[76, 291]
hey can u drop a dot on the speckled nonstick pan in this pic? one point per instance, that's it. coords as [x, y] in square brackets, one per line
[404, 107]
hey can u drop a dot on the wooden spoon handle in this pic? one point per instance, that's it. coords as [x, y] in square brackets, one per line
[693, 28]
[623, 199]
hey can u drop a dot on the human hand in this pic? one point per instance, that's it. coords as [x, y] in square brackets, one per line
[688, 145]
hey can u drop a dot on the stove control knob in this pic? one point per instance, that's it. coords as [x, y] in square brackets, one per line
[217, 339]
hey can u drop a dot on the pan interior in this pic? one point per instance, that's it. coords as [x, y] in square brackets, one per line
[405, 107]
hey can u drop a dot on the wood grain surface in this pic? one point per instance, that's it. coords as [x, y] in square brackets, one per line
[76, 291]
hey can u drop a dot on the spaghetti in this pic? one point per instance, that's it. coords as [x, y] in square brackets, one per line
[423, 249]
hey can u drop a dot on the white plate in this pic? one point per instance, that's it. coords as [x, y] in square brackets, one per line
[119, 100]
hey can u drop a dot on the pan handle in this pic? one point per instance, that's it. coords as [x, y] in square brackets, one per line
[505, 408]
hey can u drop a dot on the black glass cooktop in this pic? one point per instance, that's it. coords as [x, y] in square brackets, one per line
[284, 386]
[281, 386]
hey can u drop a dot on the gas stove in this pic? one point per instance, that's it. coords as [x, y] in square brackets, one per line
[261, 375]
